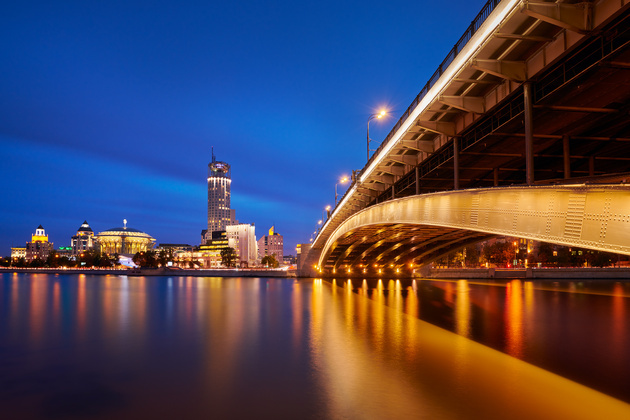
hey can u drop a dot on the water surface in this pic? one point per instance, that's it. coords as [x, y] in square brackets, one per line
[88, 346]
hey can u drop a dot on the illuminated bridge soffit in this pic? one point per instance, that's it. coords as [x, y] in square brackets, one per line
[595, 217]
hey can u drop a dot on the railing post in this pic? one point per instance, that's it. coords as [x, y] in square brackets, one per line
[529, 135]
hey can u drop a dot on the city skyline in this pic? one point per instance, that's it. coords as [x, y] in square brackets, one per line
[110, 111]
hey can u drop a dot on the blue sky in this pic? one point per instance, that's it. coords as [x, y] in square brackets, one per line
[109, 110]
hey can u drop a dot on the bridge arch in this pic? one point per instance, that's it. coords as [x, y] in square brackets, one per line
[420, 228]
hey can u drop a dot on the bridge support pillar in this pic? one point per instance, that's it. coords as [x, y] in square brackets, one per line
[455, 163]
[417, 181]
[567, 156]
[529, 133]
[495, 173]
[591, 166]
[307, 261]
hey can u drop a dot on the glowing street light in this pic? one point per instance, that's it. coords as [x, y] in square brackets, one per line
[341, 181]
[370, 118]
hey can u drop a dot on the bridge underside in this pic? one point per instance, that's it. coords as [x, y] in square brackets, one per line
[381, 248]
[401, 234]
[539, 102]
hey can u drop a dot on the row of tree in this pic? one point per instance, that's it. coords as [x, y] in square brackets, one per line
[89, 258]
[229, 259]
[504, 253]
[147, 259]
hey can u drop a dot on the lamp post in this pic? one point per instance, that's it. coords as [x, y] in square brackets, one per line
[370, 118]
[341, 181]
[326, 215]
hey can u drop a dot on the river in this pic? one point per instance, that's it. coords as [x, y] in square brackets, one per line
[104, 346]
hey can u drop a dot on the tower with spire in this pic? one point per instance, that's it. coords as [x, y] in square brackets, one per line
[220, 214]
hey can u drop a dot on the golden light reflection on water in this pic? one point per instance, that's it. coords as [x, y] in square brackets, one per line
[619, 320]
[445, 376]
[81, 318]
[38, 307]
[56, 306]
[362, 353]
[514, 318]
[15, 285]
[462, 309]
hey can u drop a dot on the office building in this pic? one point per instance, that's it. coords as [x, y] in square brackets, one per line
[271, 245]
[38, 247]
[242, 237]
[219, 213]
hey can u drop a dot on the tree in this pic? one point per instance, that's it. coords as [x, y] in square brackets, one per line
[146, 259]
[228, 257]
[164, 256]
[472, 256]
[499, 253]
[545, 254]
[270, 261]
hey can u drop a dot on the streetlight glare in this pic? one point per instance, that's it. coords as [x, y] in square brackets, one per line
[378, 116]
[343, 180]
[327, 208]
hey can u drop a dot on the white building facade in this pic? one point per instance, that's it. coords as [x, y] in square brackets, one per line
[242, 238]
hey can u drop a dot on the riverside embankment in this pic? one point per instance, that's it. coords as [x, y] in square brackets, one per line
[156, 272]
[533, 273]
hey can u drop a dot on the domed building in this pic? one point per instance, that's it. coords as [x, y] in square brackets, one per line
[83, 240]
[124, 240]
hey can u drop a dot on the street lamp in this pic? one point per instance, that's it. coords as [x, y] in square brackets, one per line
[371, 117]
[341, 181]
[327, 214]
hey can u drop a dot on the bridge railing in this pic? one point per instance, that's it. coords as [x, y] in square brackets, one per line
[463, 40]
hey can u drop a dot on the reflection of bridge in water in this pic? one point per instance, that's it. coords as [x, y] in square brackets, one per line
[533, 99]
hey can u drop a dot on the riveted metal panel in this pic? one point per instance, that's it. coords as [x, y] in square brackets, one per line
[575, 216]
[596, 217]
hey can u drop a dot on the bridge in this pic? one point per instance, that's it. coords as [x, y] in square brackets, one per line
[523, 130]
